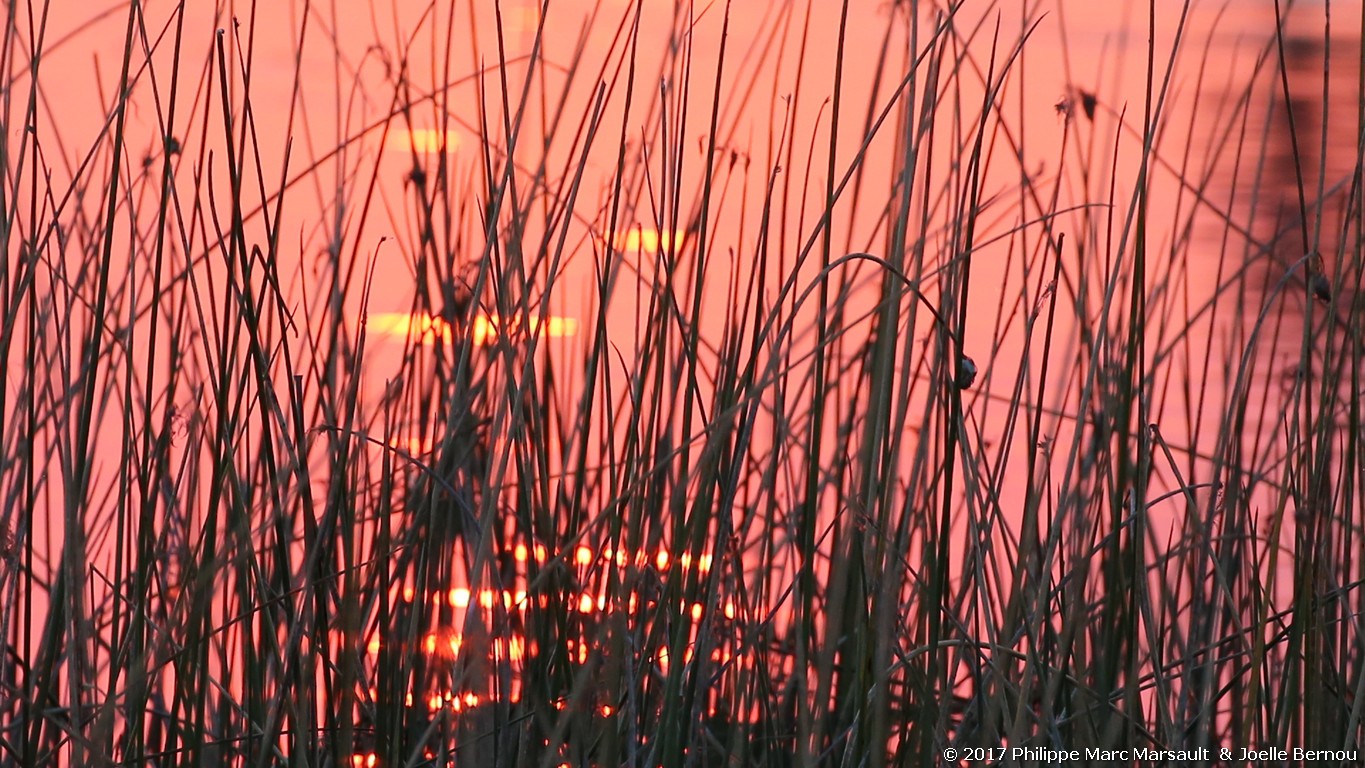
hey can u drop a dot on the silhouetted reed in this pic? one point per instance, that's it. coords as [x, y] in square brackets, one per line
[780, 394]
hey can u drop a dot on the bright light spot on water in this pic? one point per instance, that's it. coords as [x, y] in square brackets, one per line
[447, 643]
[427, 329]
[646, 240]
[618, 555]
[425, 141]
[703, 562]
[415, 446]
[583, 556]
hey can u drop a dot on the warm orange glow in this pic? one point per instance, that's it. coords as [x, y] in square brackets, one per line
[425, 141]
[583, 556]
[618, 555]
[428, 328]
[646, 240]
[461, 597]
[703, 562]
[447, 643]
[487, 327]
[414, 446]
[402, 325]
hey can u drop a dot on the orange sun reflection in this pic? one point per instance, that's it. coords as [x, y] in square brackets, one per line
[425, 141]
[508, 649]
[646, 239]
[487, 328]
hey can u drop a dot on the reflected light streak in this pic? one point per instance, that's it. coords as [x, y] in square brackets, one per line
[430, 328]
[647, 240]
[446, 641]
[425, 141]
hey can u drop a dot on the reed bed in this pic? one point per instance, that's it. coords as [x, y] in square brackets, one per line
[822, 409]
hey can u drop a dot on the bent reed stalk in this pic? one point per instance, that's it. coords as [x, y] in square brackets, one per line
[664, 385]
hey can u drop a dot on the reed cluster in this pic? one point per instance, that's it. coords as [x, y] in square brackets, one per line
[665, 384]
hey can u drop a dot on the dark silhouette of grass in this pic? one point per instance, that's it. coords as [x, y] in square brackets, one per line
[794, 492]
